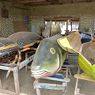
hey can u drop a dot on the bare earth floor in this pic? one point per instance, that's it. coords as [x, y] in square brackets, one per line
[26, 85]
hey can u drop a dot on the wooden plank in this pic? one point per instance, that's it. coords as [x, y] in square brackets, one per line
[8, 46]
[30, 1]
[80, 94]
[25, 62]
[16, 80]
[84, 77]
[31, 44]
[0, 83]
[4, 68]
[51, 86]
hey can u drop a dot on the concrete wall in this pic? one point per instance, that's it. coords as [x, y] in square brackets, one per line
[86, 12]
[37, 24]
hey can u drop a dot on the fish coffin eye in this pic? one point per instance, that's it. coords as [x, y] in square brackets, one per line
[52, 51]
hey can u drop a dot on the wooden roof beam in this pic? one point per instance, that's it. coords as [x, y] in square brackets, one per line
[30, 1]
[79, 1]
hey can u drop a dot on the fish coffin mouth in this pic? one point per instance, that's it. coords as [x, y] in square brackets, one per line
[39, 74]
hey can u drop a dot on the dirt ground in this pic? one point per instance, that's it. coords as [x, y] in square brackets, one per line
[26, 85]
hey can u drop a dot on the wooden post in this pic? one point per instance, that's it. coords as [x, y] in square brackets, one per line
[0, 79]
[36, 83]
[16, 80]
[26, 56]
[0, 83]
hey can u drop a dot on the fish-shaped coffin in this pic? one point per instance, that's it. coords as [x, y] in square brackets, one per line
[8, 49]
[48, 58]
[24, 38]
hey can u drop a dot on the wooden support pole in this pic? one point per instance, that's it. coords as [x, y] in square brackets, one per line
[16, 80]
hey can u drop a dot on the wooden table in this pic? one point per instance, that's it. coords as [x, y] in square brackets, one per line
[15, 68]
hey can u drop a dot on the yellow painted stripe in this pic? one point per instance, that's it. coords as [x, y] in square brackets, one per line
[8, 46]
